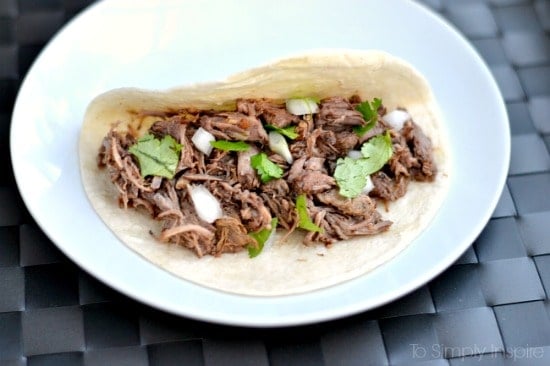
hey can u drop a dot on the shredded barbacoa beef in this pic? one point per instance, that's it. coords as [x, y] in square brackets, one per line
[248, 205]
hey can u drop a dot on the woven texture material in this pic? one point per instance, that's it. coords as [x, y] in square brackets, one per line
[490, 308]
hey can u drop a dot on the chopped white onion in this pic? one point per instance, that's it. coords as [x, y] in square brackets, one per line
[278, 144]
[207, 206]
[301, 106]
[369, 186]
[396, 118]
[355, 154]
[269, 242]
[202, 139]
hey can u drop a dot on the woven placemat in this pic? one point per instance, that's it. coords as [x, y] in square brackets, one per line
[490, 308]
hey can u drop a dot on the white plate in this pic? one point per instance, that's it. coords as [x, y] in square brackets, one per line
[159, 44]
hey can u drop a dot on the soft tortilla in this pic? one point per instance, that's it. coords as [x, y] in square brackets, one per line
[285, 267]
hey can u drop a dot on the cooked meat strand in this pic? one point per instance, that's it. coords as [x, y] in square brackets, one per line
[359, 206]
[421, 147]
[199, 177]
[305, 126]
[172, 127]
[378, 129]
[346, 141]
[387, 188]
[275, 114]
[298, 149]
[231, 236]
[322, 143]
[234, 126]
[176, 230]
[225, 193]
[309, 176]
[122, 169]
[276, 194]
[329, 144]
[337, 226]
[338, 113]
[271, 112]
[402, 159]
[222, 164]
[254, 214]
[247, 106]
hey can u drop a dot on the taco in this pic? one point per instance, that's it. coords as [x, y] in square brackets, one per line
[290, 177]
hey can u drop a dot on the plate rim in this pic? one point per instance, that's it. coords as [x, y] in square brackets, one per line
[300, 319]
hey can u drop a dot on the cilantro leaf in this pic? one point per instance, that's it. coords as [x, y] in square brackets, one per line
[267, 170]
[304, 221]
[289, 131]
[230, 145]
[157, 157]
[377, 150]
[261, 237]
[361, 130]
[369, 110]
[351, 174]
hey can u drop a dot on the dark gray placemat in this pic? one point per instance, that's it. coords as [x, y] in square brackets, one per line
[490, 308]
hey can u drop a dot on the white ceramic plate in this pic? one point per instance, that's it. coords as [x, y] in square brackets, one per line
[159, 44]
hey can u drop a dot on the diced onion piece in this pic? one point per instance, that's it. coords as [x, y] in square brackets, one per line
[355, 154]
[207, 206]
[301, 106]
[396, 118]
[278, 144]
[369, 186]
[202, 139]
[269, 242]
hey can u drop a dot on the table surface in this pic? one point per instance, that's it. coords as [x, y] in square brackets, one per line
[490, 308]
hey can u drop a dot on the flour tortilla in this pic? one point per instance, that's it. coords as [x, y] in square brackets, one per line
[288, 267]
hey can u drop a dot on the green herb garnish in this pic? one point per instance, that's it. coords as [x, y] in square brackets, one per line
[377, 150]
[230, 145]
[304, 221]
[157, 157]
[369, 110]
[351, 174]
[261, 237]
[289, 131]
[267, 170]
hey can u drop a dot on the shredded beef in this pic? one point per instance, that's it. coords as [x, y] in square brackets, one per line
[359, 206]
[171, 127]
[276, 194]
[338, 113]
[387, 188]
[309, 176]
[231, 236]
[378, 129]
[272, 113]
[235, 126]
[254, 214]
[338, 226]
[222, 165]
[421, 147]
[247, 203]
